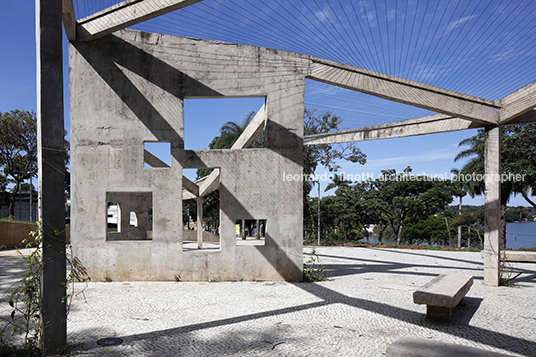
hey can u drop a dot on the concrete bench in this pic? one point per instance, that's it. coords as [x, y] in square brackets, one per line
[420, 347]
[443, 293]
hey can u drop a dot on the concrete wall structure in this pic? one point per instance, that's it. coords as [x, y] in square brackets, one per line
[128, 88]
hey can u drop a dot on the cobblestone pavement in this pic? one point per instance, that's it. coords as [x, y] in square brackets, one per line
[365, 305]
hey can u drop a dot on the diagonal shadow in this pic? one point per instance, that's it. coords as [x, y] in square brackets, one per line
[338, 270]
[438, 257]
[328, 296]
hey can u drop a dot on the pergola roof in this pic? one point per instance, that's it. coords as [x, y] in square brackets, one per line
[482, 49]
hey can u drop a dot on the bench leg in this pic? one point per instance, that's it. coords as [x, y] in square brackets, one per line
[439, 313]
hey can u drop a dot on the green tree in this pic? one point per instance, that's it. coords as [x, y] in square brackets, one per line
[337, 182]
[18, 150]
[431, 230]
[327, 155]
[403, 196]
[231, 131]
[518, 145]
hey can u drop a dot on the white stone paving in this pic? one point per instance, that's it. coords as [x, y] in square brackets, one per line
[364, 306]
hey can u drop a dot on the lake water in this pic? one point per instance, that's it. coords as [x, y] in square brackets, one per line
[518, 235]
[521, 235]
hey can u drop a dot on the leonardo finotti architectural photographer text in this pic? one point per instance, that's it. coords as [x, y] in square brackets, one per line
[364, 176]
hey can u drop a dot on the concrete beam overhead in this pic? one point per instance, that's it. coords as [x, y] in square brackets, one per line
[519, 102]
[210, 184]
[69, 19]
[525, 118]
[253, 129]
[405, 91]
[190, 186]
[438, 123]
[152, 160]
[125, 14]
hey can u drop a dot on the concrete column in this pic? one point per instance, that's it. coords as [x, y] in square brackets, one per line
[199, 222]
[51, 172]
[243, 229]
[492, 206]
[460, 227]
[258, 233]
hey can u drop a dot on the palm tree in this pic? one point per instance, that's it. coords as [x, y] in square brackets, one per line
[231, 131]
[337, 182]
[517, 157]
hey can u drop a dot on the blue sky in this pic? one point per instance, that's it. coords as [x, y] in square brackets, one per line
[431, 154]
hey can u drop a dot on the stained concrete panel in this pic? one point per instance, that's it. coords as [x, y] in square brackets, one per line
[129, 88]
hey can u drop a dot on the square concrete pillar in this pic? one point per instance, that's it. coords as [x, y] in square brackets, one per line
[200, 222]
[51, 168]
[492, 206]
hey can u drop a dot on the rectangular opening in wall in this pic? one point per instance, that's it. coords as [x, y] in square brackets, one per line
[206, 219]
[112, 215]
[250, 232]
[129, 216]
[204, 120]
[157, 154]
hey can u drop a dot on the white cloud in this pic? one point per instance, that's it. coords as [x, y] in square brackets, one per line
[406, 160]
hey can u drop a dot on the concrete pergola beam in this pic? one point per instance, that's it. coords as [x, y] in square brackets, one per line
[69, 19]
[253, 129]
[526, 118]
[125, 14]
[517, 103]
[190, 186]
[152, 160]
[404, 91]
[438, 123]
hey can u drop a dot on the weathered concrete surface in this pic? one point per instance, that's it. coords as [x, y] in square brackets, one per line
[445, 290]
[519, 102]
[492, 206]
[129, 88]
[442, 294]
[420, 347]
[438, 123]
[69, 19]
[519, 256]
[404, 91]
[125, 14]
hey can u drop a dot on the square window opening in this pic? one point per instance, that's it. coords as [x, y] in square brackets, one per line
[129, 216]
[250, 232]
[205, 120]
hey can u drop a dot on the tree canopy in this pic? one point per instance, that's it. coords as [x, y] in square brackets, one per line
[518, 157]
[18, 151]
[393, 201]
